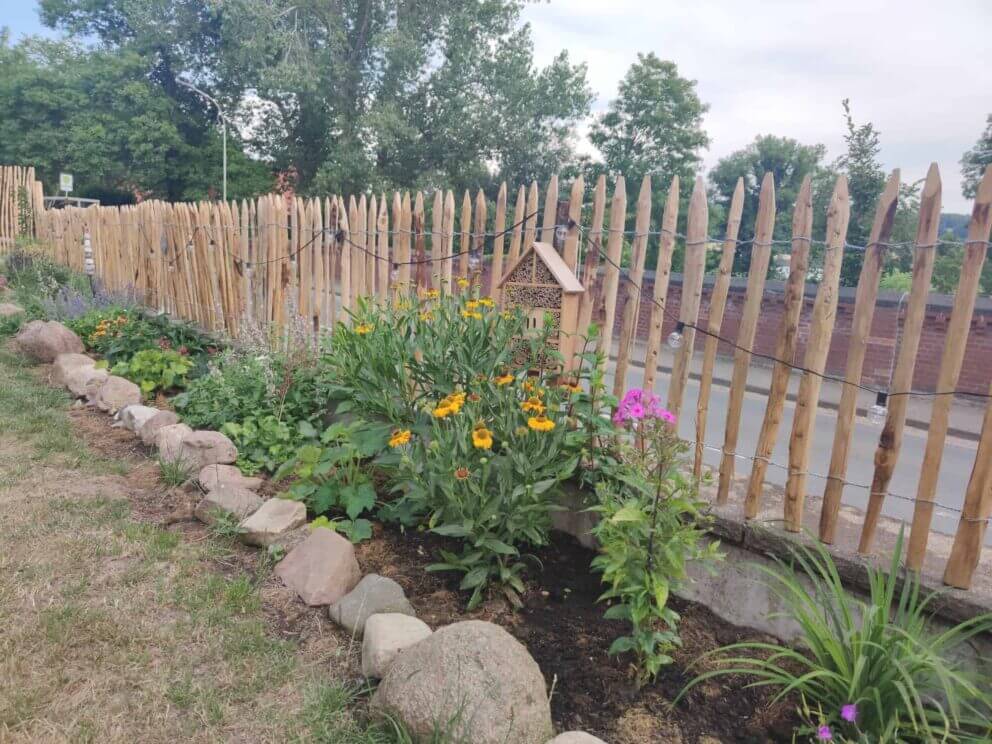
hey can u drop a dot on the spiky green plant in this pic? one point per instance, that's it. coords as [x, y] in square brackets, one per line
[904, 677]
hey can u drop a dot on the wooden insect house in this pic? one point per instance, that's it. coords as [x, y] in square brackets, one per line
[545, 289]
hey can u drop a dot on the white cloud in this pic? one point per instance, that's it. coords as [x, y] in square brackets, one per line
[921, 72]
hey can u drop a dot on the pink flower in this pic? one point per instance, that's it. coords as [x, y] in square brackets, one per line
[849, 712]
[824, 733]
[635, 411]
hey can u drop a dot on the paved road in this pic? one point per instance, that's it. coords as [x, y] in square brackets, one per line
[959, 454]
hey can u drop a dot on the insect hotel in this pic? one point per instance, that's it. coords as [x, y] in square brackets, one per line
[542, 285]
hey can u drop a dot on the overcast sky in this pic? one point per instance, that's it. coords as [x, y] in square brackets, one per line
[921, 71]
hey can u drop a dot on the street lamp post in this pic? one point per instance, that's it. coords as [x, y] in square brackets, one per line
[223, 127]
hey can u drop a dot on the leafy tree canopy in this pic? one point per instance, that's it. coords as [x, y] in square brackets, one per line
[976, 160]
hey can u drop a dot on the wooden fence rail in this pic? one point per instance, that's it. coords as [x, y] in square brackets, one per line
[305, 264]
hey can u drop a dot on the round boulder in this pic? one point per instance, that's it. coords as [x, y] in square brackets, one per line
[473, 680]
[44, 340]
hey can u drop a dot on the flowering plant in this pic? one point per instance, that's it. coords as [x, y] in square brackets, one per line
[483, 469]
[648, 530]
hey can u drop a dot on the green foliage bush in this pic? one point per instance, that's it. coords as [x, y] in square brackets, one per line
[875, 671]
[156, 369]
[334, 478]
[266, 442]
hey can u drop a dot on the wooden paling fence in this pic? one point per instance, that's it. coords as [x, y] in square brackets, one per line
[21, 201]
[278, 260]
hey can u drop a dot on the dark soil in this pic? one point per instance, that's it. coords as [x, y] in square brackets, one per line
[564, 630]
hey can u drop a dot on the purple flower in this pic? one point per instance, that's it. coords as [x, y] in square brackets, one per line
[635, 411]
[824, 733]
[849, 712]
[666, 416]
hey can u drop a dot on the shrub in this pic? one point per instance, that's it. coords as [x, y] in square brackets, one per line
[487, 470]
[394, 356]
[647, 533]
[156, 369]
[875, 671]
[334, 477]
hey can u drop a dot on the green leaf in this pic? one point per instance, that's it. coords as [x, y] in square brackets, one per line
[475, 578]
[628, 513]
[359, 499]
[452, 530]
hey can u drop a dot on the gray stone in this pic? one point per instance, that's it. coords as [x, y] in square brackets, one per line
[44, 340]
[374, 594]
[472, 677]
[83, 382]
[65, 364]
[9, 309]
[133, 417]
[215, 475]
[148, 431]
[204, 448]
[576, 737]
[236, 502]
[322, 568]
[386, 635]
[116, 393]
[169, 440]
[274, 518]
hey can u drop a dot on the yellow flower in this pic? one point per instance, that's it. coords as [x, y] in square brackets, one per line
[449, 404]
[399, 438]
[463, 282]
[472, 314]
[486, 302]
[443, 411]
[540, 423]
[503, 380]
[571, 388]
[432, 294]
[506, 315]
[427, 317]
[482, 438]
[532, 404]
[472, 305]
[364, 328]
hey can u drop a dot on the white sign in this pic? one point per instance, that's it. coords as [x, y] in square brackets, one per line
[65, 182]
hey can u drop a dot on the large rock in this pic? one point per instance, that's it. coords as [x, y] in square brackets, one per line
[475, 679]
[386, 635]
[274, 519]
[148, 431]
[44, 340]
[8, 309]
[204, 448]
[233, 501]
[576, 737]
[196, 449]
[169, 441]
[116, 393]
[322, 568]
[66, 364]
[374, 594]
[83, 382]
[134, 417]
[212, 476]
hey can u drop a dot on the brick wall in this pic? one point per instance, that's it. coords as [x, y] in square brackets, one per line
[976, 373]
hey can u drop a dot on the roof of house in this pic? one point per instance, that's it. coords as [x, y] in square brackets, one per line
[555, 263]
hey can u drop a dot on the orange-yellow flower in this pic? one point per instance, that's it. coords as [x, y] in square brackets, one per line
[472, 305]
[362, 328]
[503, 380]
[399, 438]
[463, 282]
[427, 317]
[486, 302]
[571, 388]
[482, 438]
[432, 294]
[540, 423]
[532, 404]
[462, 473]
[474, 314]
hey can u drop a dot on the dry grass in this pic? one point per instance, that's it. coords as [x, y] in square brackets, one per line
[114, 629]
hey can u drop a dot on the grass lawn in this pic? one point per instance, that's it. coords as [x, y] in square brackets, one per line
[114, 629]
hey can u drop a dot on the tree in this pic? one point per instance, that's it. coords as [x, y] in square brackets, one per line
[95, 114]
[976, 160]
[789, 162]
[654, 125]
[361, 94]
